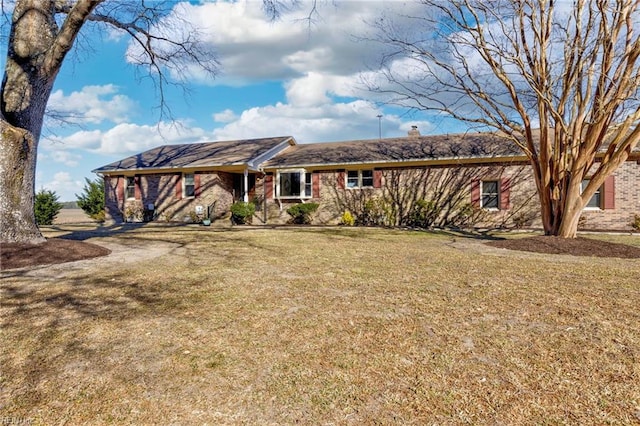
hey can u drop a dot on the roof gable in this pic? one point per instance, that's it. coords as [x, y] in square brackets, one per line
[199, 155]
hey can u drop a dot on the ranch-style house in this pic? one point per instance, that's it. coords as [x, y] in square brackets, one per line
[471, 179]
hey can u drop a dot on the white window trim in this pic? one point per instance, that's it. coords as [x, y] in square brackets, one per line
[499, 195]
[303, 180]
[359, 185]
[184, 186]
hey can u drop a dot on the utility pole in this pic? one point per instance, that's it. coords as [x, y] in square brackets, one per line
[379, 126]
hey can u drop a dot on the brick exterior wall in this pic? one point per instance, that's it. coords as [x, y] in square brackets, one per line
[626, 202]
[113, 206]
[449, 187]
[522, 210]
[215, 190]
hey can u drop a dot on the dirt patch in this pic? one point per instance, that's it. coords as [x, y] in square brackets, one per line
[52, 251]
[572, 246]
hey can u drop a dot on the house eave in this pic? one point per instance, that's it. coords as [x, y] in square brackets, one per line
[237, 167]
[444, 161]
[401, 162]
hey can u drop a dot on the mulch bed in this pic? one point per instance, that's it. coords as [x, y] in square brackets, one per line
[54, 250]
[573, 246]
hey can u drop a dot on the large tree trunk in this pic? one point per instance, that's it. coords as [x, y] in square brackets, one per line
[42, 34]
[17, 179]
[561, 200]
[25, 90]
[572, 210]
[565, 225]
[35, 52]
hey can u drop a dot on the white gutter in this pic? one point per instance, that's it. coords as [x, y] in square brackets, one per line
[443, 160]
[255, 163]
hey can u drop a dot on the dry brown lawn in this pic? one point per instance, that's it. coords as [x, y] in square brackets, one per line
[71, 216]
[196, 325]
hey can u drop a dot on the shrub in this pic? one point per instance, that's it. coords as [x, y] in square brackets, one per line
[92, 199]
[375, 212]
[193, 217]
[347, 219]
[423, 214]
[241, 212]
[465, 216]
[636, 222]
[46, 207]
[99, 217]
[133, 213]
[301, 213]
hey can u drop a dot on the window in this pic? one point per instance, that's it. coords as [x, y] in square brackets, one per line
[489, 195]
[366, 178]
[360, 179]
[307, 185]
[352, 179]
[131, 187]
[594, 202]
[189, 183]
[290, 184]
[294, 184]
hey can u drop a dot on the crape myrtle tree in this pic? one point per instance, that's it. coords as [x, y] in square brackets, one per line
[40, 34]
[558, 79]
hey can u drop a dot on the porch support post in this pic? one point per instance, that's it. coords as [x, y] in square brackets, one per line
[245, 186]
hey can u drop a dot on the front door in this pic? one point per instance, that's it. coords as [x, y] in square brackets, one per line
[238, 186]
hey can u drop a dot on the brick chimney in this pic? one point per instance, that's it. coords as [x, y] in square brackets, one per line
[414, 132]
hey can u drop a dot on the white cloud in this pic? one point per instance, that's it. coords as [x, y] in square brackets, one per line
[316, 61]
[308, 91]
[63, 185]
[115, 34]
[225, 116]
[128, 138]
[328, 122]
[252, 47]
[83, 139]
[92, 105]
[67, 158]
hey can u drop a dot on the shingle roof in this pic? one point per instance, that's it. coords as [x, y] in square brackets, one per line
[209, 154]
[270, 153]
[468, 145]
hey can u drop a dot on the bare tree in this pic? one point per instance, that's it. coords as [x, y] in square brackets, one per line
[560, 80]
[41, 33]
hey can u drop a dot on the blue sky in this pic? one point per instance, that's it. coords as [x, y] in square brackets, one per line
[277, 78]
